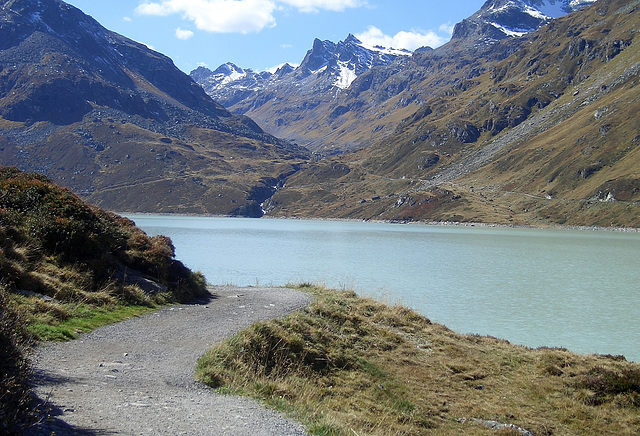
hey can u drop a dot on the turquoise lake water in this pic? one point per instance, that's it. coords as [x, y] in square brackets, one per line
[558, 288]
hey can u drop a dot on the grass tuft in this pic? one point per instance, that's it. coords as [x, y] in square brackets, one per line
[15, 395]
[348, 365]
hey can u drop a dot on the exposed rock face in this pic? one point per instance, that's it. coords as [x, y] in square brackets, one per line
[500, 19]
[336, 64]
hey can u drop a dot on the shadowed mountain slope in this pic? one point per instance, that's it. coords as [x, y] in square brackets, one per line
[119, 123]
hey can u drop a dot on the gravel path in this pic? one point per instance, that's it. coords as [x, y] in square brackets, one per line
[137, 377]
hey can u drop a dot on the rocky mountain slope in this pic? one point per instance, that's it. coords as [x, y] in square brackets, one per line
[329, 65]
[120, 124]
[499, 19]
[538, 129]
[298, 96]
[343, 95]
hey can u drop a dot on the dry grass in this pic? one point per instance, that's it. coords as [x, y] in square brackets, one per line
[349, 365]
[15, 396]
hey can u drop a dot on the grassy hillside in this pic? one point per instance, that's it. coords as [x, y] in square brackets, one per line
[352, 366]
[116, 162]
[547, 135]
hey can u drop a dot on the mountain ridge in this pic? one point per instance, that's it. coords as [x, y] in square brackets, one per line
[118, 123]
[321, 116]
[326, 65]
[539, 132]
[499, 19]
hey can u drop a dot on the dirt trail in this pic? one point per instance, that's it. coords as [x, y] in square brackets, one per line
[137, 377]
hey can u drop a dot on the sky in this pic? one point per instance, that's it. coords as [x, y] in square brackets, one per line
[263, 34]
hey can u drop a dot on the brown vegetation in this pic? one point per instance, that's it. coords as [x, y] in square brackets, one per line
[348, 365]
[15, 389]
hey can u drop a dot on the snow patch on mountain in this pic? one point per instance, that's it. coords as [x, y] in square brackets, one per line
[514, 18]
[386, 50]
[510, 32]
[345, 77]
[340, 64]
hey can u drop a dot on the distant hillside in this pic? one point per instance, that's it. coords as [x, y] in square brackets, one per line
[119, 124]
[346, 95]
[548, 134]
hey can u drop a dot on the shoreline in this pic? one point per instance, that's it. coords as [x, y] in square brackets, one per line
[262, 276]
[424, 223]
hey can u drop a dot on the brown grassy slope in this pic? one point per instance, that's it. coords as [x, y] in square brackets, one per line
[114, 162]
[349, 365]
[15, 388]
[555, 119]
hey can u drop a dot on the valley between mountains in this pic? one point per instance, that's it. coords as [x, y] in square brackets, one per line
[528, 116]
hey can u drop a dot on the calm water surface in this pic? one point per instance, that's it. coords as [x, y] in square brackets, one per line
[562, 288]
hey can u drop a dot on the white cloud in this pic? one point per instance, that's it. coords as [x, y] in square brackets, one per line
[238, 16]
[446, 28]
[183, 34]
[329, 5]
[220, 16]
[401, 40]
[126, 19]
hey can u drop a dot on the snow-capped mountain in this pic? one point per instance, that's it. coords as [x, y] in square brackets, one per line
[335, 65]
[499, 19]
[339, 91]
[231, 83]
[345, 61]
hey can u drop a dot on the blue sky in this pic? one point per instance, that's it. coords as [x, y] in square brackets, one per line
[261, 34]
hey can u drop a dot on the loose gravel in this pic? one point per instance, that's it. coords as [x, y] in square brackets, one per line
[137, 377]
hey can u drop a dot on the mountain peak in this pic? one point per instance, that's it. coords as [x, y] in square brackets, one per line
[351, 39]
[500, 19]
[346, 60]
[335, 65]
[93, 67]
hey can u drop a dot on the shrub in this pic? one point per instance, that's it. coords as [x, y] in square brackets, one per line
[15, 396]
[68, 239]
[606, 384]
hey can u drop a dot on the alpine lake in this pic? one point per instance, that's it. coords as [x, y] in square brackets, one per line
[577, 289]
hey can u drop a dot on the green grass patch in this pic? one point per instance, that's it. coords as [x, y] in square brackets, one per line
[348, 365]
[85, 319]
